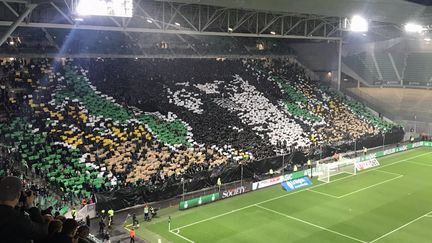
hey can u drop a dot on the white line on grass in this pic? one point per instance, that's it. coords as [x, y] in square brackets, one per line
[374, 185]
[387, 172]
[323, 193]
[362, 189]
[309, 223]
[252, 205]
[181, 236]
[295, 192]
[417, 163]
[399, 161]
[400, 227]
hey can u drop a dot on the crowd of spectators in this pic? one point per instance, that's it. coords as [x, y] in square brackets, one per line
[22, 221]
[89, 126]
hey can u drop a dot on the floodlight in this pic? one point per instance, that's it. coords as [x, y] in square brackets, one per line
[359, 24]
[78, 19]
[177, 24]
[413, 28]
[115, 8]
[230, 29]
[427, 39]
[272, 32]
[11, 43]
[149, 21]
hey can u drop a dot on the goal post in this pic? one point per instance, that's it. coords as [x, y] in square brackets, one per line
[326, 171]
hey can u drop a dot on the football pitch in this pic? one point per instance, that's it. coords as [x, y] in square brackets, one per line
[389, 203]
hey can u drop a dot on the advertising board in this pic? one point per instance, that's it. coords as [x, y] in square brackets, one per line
[296, 183]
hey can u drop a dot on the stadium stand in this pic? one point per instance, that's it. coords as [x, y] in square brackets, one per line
[417, 72]
[86, 132]
[363, 64]
[386, 68]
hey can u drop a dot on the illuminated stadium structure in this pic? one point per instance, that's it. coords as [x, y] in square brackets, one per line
[235, 121]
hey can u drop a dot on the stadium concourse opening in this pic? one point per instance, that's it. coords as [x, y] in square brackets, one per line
[215, 121]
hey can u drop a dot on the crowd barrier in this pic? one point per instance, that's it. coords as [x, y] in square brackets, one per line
[89, 209]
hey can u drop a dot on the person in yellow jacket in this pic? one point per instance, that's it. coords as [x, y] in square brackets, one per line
[111, 215]
[74, 213]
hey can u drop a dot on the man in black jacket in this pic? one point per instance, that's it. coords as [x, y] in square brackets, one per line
[19, 224]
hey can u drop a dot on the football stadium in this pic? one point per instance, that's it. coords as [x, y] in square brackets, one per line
[185, 121]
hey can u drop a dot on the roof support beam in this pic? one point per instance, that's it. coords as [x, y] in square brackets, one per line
[17, 1]
[146, 14]
[10, 8]
[50, 39]
[177, 10]
[146, 30]
[62, 13]
[17, 23]
[270, 23]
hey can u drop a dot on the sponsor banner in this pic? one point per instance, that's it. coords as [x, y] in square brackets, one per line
[268, 182]
[199, 201]
[426, 143]
[233, 192]
[293, 175]
[393, 150]
[296, 183]
[367, 164]
[277, 180]
[397, 149]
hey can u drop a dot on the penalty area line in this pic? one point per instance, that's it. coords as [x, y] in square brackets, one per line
[402, 226]
[323, 193]
[311, 224]
[374, 185]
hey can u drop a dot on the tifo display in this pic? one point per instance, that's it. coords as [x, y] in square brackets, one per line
[229, 114]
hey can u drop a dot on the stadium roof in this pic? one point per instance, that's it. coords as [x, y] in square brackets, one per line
[393, 11]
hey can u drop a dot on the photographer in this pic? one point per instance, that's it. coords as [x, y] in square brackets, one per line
[19, 220]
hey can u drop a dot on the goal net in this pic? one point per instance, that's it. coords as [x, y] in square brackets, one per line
[326, 171]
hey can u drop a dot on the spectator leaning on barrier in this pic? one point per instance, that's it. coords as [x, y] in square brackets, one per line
[14, 225]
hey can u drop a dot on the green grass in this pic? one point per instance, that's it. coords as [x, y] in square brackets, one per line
[390, 203]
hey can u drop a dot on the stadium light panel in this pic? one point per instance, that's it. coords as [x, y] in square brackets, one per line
[413, 28]
[359, 24]
[78, 19]
[114, 8]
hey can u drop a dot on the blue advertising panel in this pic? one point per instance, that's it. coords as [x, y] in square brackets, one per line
[296, 183]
